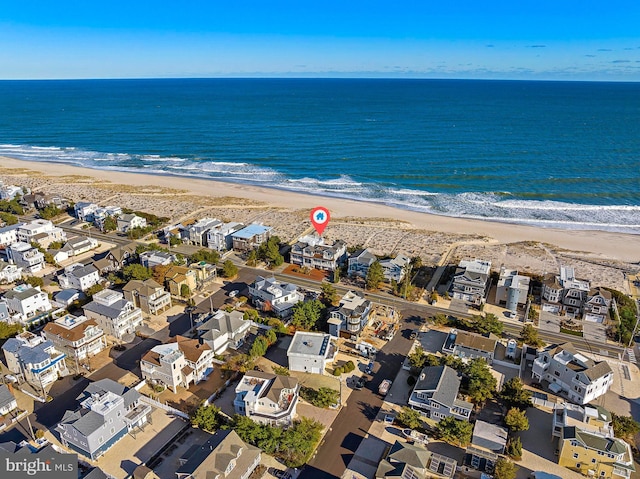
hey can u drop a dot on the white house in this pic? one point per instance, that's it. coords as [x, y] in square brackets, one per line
[152, 258]
[196, 234]
[9, 273]
[26, 257]
[77, 336]
[40, 231]
[84, 210]
[219, 237]
[127, 222]
[34, 359]
[79, 276]
[359, 262]
[9, 234]
[564, 293]
[351, 315]
[470, 281]
[267, 294]
[9, 192]
[223, 330]
[596, 308]
[115, 315]
[78, 245]
[395, 268]
[311, 252]
[572, 374]
[27, 302]
[513, 289]
[267, 398]
[178, 364]
[311, 352]
[435, 394]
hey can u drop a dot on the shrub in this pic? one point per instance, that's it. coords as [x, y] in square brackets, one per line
[349, 366]
[338, 371]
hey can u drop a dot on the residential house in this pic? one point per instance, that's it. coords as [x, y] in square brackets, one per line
[107, 412]
[78, 245]
[41, 200]
[84, 211]
[219, 237]
[591, 418]
[26, 257]
[127, 222]
[175, 277]
[414, 461]
[66, 297]
[77, 336]
[40, 231]
[467, 345]
[204, 271]
[8, 401]
[197, 233]
[435, 394]
[10, 192]
[267, 398]
[395, 268]
[572, 374]
[27, 302]
[312, 252]
[147, 295]
[487, 445]
[311, 352]
[179, 363]
[9, 273]
[115, 315]
[9, 234]
[223, 330]
[267, 294]
[351, 315]
[596, 308]
[594, 455]
[103, 265]
[121, 256]
[565, 293]
[79, 276]
[250, 237]
[5, 315]
[471, 280]
[512, 290]
[152, 258]
[101, 214]
[37, 361]
[223, 455]
[359, 262]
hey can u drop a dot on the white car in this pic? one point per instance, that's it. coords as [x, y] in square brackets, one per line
[233, 293]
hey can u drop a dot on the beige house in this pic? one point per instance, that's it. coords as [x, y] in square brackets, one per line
[177, 276]
[77, 336]
[147, 295]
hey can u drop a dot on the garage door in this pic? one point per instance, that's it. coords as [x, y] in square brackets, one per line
[315, 370]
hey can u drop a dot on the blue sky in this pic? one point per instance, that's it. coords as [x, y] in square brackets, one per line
[519, 39]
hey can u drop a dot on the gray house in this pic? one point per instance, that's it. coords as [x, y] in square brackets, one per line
[436, 394]
[467, 345]
[487, 444]
[107, 412]
[351, 315]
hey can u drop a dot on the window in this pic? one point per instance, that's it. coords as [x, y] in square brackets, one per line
[576, 455]
[593, 460]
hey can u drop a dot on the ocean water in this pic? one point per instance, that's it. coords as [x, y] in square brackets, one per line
[556, 154]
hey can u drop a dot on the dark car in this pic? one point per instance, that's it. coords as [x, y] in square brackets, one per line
[369, 369]
[360, 383]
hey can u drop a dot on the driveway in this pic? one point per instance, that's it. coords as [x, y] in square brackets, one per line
[549, 322]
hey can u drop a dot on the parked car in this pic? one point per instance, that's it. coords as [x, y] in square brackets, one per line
[360, 383]
[385, 386]
[233, 293]
[369, 368]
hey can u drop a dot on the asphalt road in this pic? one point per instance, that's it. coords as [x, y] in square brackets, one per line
[354, 420]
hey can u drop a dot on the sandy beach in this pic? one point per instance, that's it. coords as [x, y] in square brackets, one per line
[384, 229]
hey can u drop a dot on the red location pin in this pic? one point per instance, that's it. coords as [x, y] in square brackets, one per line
[320, 218]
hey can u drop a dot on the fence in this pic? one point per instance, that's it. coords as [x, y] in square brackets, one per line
[164, 407]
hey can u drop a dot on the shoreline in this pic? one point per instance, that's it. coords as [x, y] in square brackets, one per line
[602, 244]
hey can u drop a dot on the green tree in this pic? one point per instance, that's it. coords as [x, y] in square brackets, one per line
[307, 314]
[454, 431]
[418, 357]
[252, 258]
[281, 371]
[251, 315]
[529, 335]
[516, 420]
[9, 330]
[625, 427]
[410, 418]
[136, 271]
[271, 336]
[174, 241]
[269, 252]
[34, 281]
[9, 218]
[505, 469]
[416, 262]
[375, 275]
[329, 294]
[323, 397]
[514, 448]
[207, 418]
[110, 224]
[482, 384]
[514, 395]
[487, 324]
[96, 288]
[49, 211]
[185, 291]
[206, 255]
[56, 245]
[229, 270]
[12, 207]
[259, 347]
[239, 362]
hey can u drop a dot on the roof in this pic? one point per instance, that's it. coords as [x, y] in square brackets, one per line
[443, 380]
[112, 311]
[67, 295]
[95, 473]
[600, 369]
[476, 341]
[119, 252]
[102, 264]
[84, 420]
[6, 397]
[83, 271]
[363, 256]
[72, 333]
[109, 385]
[213, 456]
[22, 293]
[277, 383]
[314, 344]
[144, 288]
[411, 454]
[142, 471]
[598, 442]
[191, 348]
[223, 323]
[251, 231]
[489, 436]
